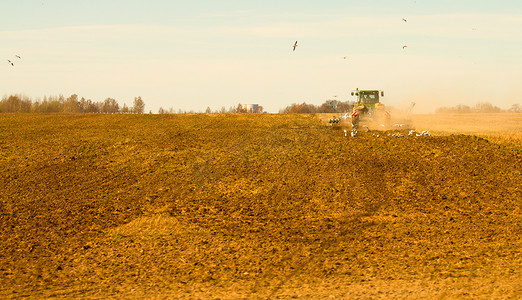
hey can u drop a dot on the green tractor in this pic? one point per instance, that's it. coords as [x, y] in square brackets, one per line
[368, 107]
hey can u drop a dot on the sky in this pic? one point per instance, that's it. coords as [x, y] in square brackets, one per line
[190, 55]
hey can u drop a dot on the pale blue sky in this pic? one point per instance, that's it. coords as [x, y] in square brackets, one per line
[192, 54]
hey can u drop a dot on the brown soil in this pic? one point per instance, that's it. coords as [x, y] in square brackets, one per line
[252, 207]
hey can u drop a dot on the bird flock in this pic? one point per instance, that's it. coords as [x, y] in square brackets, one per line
[294, 46]
[411, 133]
[11, 62]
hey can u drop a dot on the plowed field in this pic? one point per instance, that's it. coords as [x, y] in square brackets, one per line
[253, 207]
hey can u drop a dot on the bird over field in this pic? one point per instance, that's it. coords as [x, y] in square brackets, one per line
[294, 46]
[10, 62]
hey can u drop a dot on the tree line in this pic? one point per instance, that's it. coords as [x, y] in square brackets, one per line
[482, 107]
[327, 107]
[295, 108]
[60, 104]
[232, 109]
[72, 104]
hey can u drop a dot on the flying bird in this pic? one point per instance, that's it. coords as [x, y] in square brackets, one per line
[345, 57]
[17, 56]
[10, 62]
[403, 19]
[404, 46]
[294, 46]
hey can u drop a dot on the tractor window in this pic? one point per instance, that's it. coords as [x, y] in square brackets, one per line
[370, 98]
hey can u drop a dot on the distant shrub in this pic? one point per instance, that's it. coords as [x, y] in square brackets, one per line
[481, 107]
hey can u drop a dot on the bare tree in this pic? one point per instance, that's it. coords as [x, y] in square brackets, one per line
[139, 105]
[515, 108]
[485, 107]
[71, 105]
[241, 109]
[110, 106]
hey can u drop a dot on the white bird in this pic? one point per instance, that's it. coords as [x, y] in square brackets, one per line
[424, 133]
[294, 46]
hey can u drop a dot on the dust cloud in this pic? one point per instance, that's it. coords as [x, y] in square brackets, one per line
[508, 125]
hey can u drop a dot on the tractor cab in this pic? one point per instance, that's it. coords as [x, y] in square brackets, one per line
[367, 106]
[367, 100]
